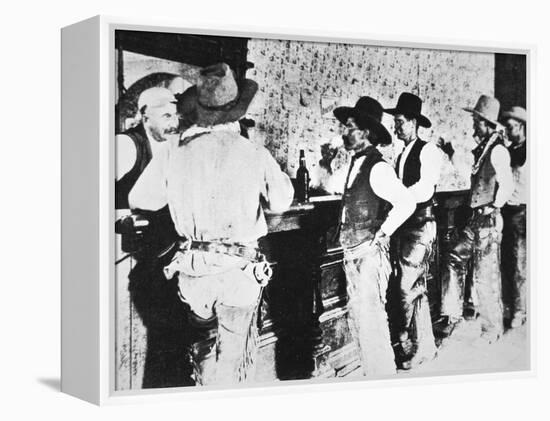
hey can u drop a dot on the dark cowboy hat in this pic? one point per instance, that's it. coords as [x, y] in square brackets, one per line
[217, 98]
[368, 115]
[411, 106]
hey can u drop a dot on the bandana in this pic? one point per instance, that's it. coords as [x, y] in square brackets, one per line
[481, 151]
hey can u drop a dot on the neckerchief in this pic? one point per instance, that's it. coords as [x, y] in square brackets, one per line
[481, 151]
[195, 131]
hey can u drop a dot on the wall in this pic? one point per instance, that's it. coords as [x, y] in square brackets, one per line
[511, 80]
[301, 82]
[141, 72]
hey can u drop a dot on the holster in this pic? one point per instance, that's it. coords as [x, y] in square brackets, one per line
[257, 267]
[421, 215]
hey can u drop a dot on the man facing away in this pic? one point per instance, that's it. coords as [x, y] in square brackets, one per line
[514, 250]
[218, 184]
[479, 242]
[418, 167]
[149, 235]
[365, 229]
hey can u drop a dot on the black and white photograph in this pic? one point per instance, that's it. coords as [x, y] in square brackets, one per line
[315, 210]
[275, 210]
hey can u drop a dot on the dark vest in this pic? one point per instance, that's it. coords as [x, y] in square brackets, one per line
[518, 156]
[160, 233]
[484, 181]
[143, 157]
[363, 211]
[411, 169]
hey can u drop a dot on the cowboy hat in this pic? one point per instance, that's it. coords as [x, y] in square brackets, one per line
[517, 113]
[487, 108]
[367, 114]
[217, 98]
[411, 106]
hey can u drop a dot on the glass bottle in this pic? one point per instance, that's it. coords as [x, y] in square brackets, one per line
[302, 180]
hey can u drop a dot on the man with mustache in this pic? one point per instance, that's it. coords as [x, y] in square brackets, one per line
[365, 229]
[479, 242]
[148, 233]
[514, 247]
[418, 166]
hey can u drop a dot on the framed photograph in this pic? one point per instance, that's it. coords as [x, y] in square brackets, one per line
[247, 210]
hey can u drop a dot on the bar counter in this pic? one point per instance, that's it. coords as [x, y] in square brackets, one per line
[302, 318]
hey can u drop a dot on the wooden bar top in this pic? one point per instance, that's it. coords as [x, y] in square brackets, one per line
[294, 217]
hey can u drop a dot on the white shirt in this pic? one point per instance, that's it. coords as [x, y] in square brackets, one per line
[387, 186]
[431, 161]
[149, 191]
[500, 159]
[519, 196]
[125, 153]
[218, 184]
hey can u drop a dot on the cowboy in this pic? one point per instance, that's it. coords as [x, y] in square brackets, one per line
[418, 167]
[479, 242]
[218, 185]
[148, 233]
[365, 229]
[514, 214]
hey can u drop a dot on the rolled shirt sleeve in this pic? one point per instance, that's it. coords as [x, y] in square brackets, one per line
[387, 186]
[431, 161]
[126, 155]
[500, 159]
[278, 191]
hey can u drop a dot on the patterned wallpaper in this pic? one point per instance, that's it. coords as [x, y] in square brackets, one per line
[301, 83]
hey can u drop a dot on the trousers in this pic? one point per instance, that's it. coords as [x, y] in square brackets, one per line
[514, 263]
[479, 243]
[413, 246]
[367, 269]
[215, 285]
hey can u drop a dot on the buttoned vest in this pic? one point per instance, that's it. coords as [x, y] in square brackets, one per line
[484, 181]
[411, 169]
[363, 212]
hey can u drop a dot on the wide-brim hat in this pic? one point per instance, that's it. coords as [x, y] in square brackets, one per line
[486, 108]
[517, 113]
[367, 114]
[410, 105]
[217, 98]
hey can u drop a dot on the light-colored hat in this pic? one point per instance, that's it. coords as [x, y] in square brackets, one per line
[179, 85]
[217, 98]
[487, 108]
[517, 113]
[155, 97]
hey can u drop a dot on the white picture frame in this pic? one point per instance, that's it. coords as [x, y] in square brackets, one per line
[88, 216]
